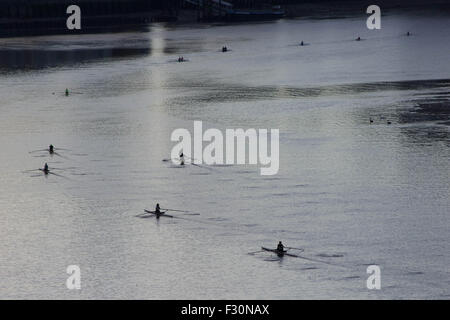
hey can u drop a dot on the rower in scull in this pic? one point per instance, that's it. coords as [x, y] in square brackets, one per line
[280, 247]
[46, 170]
[280, 250]
[158, 212]
[182, 159]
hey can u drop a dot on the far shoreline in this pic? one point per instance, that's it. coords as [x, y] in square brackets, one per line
[141, 21]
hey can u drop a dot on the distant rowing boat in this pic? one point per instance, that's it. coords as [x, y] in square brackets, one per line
[161, 214]
[278, 252]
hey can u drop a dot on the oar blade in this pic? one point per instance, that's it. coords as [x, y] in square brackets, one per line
[175, 210]
[40, 150]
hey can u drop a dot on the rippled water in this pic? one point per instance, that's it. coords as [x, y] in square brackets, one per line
[350, 192]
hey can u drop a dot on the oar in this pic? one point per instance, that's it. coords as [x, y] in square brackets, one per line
[55, 174]
[172, 159]
[291, 255]
[189, 213]
[162, 214]
[198, 165]
[194, 164]
[192, 161]
[68, 168]
[31, 170]
[58, 175]
[57, 154]
[41, 150]
[175, 210]
[49, 172]
[201, 166]
[143, 215]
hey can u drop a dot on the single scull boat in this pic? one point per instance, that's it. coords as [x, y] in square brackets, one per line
[161, 214]
[278, 252]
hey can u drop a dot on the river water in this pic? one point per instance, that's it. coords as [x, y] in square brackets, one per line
[349, 192]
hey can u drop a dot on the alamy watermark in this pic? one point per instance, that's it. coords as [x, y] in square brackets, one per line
[374, 280]
[74, 280]
[74, 20]
[374, 20]
[230, 148]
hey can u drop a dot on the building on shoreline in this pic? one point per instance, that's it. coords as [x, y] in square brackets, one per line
[33, 17]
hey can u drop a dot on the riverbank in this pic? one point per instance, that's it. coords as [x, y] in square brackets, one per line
[20, 18]
[93, 24]
[117, 15]
[342, 9]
